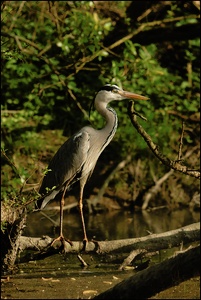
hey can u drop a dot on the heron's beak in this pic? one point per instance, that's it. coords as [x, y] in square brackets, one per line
[130, 95]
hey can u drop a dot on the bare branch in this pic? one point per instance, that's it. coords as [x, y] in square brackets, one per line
[155, 189]
[181, 142]
[197, 4]
[81, 63]
[131, 257]
[11, 164]
[194, 118]
[154, 148]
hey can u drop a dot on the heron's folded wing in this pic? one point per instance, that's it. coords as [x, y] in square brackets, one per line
[67, 163]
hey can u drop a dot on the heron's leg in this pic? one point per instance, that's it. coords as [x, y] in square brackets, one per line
[85, 240]
[61, 237]
[62, 202]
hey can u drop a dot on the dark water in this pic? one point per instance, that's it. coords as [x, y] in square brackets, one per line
[110, 225]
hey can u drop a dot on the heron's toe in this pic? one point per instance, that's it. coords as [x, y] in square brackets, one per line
[63, 244]
[85, 241]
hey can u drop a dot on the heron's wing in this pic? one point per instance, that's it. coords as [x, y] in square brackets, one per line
[66, 165]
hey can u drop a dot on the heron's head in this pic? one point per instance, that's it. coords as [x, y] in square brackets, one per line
[109, 93]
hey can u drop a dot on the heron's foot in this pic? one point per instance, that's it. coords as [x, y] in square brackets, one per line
[85, 241]
[97, 246]
[64, 243]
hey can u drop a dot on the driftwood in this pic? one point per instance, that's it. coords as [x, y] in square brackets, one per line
[156, 278]
[152, 242]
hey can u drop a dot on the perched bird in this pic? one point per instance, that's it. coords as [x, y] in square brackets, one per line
[76, 158]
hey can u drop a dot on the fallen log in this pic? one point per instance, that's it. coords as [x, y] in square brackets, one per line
[152, 242]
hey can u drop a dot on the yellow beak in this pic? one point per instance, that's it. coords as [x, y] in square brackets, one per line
[130, 95]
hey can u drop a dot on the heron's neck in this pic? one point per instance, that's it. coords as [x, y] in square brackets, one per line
[110, 116]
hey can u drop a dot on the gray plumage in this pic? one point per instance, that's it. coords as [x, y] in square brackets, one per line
[76, 158]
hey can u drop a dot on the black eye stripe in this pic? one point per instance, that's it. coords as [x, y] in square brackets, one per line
[109, 88]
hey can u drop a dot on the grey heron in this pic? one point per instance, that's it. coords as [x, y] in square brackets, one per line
[76, 158]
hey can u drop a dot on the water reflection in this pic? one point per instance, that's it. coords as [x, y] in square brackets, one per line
[110, 225]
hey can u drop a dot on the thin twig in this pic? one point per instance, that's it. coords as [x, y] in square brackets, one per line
[50, 219]
[84, 264]
[78, 103]
[12, 165]
[140, 116]
[181, 142]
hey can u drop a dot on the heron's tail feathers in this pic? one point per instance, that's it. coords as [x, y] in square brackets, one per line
[44, 200]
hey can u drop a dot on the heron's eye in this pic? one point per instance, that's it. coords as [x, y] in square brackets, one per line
[115, 91]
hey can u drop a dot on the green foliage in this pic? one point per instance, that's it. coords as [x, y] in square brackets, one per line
[53, 62]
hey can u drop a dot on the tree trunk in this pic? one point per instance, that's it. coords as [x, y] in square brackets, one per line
[10, 237]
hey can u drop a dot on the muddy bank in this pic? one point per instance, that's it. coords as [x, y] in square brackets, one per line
[59, 277]
[84, 286]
